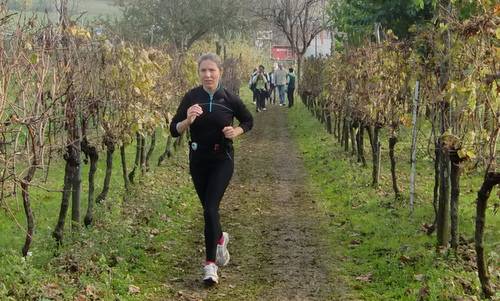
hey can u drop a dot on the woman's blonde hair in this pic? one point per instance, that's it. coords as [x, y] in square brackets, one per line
[210, 57]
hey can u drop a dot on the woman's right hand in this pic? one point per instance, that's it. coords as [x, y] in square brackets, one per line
[193, 112]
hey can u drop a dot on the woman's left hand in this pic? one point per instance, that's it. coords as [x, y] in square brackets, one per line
[231, 132]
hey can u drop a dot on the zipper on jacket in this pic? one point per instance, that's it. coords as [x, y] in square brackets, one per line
[211, 99]
[211, 96]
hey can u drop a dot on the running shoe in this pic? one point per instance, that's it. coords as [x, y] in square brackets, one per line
[222, 256]
[210, 274]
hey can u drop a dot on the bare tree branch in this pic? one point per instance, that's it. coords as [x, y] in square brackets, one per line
[298, 20]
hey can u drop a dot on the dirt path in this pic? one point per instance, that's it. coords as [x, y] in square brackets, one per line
[277, 250]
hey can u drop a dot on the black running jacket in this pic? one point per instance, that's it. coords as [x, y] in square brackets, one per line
[219, 110]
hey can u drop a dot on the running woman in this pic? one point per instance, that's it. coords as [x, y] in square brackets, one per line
[208, 112]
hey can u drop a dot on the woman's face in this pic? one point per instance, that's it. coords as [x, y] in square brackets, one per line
[209, 74]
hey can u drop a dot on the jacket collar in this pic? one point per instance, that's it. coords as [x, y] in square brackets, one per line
[217, 94]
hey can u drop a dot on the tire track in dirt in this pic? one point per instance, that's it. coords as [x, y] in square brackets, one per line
[278, 250]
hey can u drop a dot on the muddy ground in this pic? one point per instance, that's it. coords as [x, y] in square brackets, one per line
[277, 233]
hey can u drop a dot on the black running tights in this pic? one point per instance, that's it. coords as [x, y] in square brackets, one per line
[210, 180]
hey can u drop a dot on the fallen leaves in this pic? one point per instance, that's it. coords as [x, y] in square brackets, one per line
[81, 298]
[428, 228]
[89, 293]
[165, 218]
[423, 293]
[133, 290]
[188, 297]
[365, 278]
[52, 291]
[404, 259]
[354, 243]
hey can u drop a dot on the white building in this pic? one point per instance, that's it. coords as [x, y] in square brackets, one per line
[320, 45]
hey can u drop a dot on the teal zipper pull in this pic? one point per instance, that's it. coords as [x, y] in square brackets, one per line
[211, 98]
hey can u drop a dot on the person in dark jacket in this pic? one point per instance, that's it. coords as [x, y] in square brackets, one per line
[261, 82]
[208, 112]
[290, 79]
[251, 85]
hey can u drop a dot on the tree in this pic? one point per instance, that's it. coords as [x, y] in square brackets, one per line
[443, 223]
[299, 20]
[72, 156]
[181, 22]
[357, 17]
[25, 107]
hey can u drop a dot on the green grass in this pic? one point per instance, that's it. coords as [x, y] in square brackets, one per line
[138, 242]
[45, 203]
[374, 232]
[131, 243]
[142, 241]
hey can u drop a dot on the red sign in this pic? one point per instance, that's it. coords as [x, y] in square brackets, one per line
[282, 53]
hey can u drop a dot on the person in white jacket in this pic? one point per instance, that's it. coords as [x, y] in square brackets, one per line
[280, 80]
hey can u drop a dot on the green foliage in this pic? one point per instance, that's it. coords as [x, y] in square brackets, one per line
[181, 23]
[386, 254]
[469, 8]
[371, 84]
[131, 243]
[91, 9]
[357, 17]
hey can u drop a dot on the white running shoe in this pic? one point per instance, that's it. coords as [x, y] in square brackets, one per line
[222, 256]
[210, 274]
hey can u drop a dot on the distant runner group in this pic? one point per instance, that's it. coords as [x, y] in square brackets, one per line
[266, 87]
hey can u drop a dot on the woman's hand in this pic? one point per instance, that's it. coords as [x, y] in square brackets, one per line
[231, 132]
[193, 112]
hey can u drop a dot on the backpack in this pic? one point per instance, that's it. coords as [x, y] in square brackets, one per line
[251, 84]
